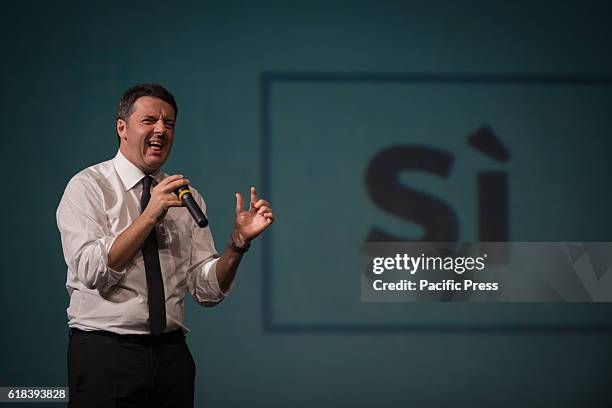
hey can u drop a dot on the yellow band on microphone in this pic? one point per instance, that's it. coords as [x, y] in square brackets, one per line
[182, 193]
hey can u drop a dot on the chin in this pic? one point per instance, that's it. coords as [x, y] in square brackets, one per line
[155, 164]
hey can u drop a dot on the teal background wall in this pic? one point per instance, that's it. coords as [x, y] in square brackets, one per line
[295, 332]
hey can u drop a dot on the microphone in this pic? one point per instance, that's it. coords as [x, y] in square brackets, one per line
[184, 194]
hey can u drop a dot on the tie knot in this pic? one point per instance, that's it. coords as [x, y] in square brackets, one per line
[146, 182]
[146, 191]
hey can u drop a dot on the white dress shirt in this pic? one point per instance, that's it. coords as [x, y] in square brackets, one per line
[98, 204]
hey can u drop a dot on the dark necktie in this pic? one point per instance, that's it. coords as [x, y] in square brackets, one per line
[155, 284]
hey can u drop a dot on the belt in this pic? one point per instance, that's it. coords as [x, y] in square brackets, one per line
[172, 337]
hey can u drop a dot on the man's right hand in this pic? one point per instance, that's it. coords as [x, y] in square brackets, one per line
[163, 197]
[130, 241]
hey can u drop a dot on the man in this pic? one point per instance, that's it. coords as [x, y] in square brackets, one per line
[132, 251]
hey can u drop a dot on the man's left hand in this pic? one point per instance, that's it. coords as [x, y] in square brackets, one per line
[249, 224]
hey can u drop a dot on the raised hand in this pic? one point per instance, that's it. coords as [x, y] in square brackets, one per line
[249, 224]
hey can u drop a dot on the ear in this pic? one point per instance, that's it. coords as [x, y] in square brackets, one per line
[121, 129]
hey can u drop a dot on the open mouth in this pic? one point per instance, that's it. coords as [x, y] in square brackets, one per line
[156, 145]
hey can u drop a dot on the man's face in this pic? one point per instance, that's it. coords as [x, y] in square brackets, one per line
[147, 136]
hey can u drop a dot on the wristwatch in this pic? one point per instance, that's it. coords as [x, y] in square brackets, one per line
[237, 249]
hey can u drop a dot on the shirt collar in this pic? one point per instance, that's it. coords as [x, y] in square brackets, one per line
[129, 174]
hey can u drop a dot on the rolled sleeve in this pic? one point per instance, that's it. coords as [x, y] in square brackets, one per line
[202, 283]
[86, 237]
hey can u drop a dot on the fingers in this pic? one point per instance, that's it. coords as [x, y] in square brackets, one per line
[253, 197]
[173, 203]
[171, 187]
[257, 206]
[171, 183]
[170, 179]
[159, 204]
[260, 203]
[163, 193]
[263, 210]
[269, 217]
[239, 203]
[168, 200]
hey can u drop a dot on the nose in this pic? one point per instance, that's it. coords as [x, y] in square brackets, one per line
[159, 128]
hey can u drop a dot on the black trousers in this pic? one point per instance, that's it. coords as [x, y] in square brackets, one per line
[109, 370]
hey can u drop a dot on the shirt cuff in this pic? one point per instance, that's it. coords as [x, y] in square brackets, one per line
[210, 276]
[113, 275]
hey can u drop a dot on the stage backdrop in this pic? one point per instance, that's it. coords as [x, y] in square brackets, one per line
[360, 121]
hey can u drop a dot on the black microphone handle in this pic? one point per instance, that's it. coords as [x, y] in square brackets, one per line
[193, 207]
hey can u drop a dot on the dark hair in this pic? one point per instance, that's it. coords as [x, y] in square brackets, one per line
[124, 109]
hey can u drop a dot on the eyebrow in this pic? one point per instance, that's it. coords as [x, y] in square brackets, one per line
[166, 118]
